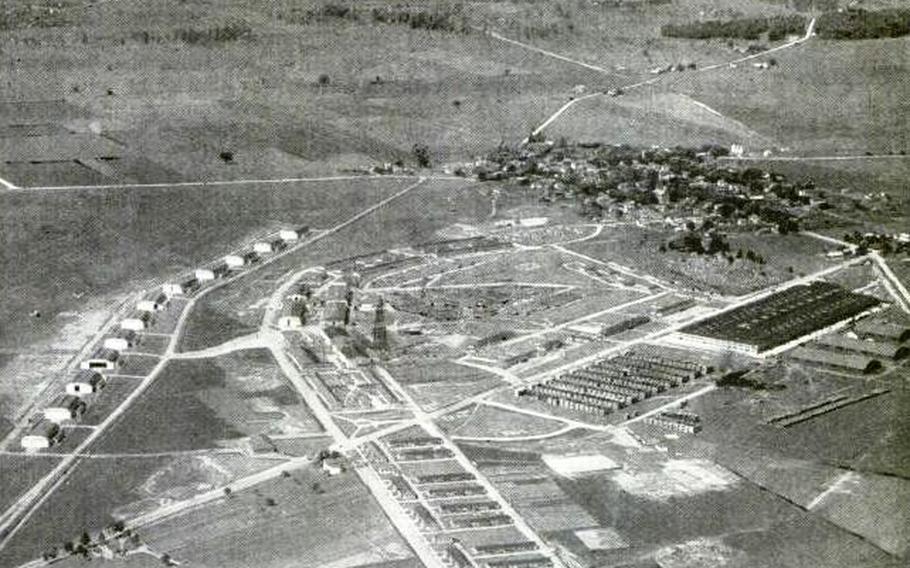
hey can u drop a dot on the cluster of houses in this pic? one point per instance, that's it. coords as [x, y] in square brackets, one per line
[46, 429]
[673, 183]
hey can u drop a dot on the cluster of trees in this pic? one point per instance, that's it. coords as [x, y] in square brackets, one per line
[864, 24]
[777, 27]
[83, 546]
[442, 16]
[229, 32]
[743, 379]
[232, 31]
[886, 244]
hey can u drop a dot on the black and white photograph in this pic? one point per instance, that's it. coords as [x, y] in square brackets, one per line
[455, 283]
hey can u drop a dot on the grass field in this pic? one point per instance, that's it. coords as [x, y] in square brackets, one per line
[209, 402]
[643, 119]
[487, 421]
[87, 500]
[19, 473]
[91, 242]
[316, 521]
[824, 97]
[91, 498]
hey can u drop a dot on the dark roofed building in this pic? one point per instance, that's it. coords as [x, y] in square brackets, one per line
[851, 362]
[886, 330]
[882, 349]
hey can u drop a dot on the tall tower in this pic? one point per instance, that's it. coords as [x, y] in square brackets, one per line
[380, 335]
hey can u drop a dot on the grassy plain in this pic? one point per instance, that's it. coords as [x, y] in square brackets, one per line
[316, 521]
[207, 403]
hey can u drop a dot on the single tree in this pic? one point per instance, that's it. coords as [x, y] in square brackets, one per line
[422, 155]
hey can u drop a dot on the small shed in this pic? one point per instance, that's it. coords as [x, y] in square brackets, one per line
[66, 407]
[43, 435]
[85, 382]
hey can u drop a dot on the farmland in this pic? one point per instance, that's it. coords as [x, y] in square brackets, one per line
[304, 524]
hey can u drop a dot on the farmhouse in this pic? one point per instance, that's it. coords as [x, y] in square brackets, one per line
[44, 434]
[101, 359]
[65, 407]
[85, 382]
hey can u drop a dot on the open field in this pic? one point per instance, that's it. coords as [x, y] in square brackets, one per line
[863, 108]
[434, 384]
[315, 521]
[91, 498]
[92, 242]
[209, 402]
[643, 119]
[18, 473]
[481, 421]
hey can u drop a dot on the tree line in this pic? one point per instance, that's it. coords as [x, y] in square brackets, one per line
[442, 16]
[777, 28]
[864, 24]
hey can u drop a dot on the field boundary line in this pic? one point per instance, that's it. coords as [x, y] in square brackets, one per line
[230, 182]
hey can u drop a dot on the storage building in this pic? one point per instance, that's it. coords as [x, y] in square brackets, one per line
[860, 363]
[880, 349]
[884, 330]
